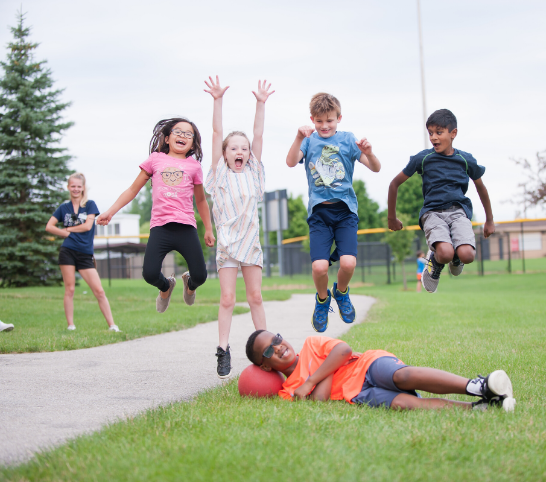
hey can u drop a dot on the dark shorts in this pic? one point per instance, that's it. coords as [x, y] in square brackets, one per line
[379, 390]
[70, 257]
[329, 223]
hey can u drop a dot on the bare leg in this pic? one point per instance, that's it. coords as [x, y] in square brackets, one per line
[320, 277]
[443, 252]
[466, 253]
[91, 277]
[430, 380]
[418, 286]
[228, 284]
[253, 284]
[405, 401]
[69, 279]
[347, 265]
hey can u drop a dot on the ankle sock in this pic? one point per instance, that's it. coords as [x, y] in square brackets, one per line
[343, 292]
[320, 300]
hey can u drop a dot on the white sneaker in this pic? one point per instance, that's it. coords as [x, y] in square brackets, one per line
[114, 328]
[71, 327]
[6, 326]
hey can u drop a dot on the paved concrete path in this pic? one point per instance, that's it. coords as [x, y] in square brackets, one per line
[48, 398]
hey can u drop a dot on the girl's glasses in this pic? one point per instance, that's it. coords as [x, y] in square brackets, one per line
[277, 340]
[181, 133]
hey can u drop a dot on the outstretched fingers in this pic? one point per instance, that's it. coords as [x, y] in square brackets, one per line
[215, 89]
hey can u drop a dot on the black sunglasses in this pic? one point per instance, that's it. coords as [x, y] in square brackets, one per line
[268, 353]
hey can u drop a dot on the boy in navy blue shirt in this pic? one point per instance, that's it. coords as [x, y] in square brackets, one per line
[446, 213]
[329, 156]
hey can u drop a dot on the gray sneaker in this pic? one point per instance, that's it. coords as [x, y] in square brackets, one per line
[431, 273]
[188, 299]
[455, 266]
[161, 304]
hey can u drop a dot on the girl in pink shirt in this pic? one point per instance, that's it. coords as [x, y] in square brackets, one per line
[174, 166]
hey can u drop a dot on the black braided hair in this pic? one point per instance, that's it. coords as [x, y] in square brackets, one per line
[163, 129]
[250, 347]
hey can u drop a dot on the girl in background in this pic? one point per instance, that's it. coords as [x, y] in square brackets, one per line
[76, 254]
[236, 183]
[174, 165]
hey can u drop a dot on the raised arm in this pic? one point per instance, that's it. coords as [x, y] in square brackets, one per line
[126, 197]
[217, 93]
[258, 138]
[489, 226]
[368, 157]
[294, 154]
[339, 355]
[394, 223]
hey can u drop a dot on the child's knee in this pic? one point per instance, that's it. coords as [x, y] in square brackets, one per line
[444, 252]
[198, 278]
[320, 267]
[401, 377]
[347, 263]
[227, 300]
[151, 276]
[69, 291]
[466, 253]
[254, 297]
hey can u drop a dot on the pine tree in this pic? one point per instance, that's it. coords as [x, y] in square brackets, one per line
[33, 168]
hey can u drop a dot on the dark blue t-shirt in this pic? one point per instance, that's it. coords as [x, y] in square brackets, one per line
[82, 242]
[445, 178]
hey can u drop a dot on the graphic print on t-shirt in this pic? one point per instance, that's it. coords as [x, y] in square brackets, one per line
[327, 171]
[71, 219]
[171, 177]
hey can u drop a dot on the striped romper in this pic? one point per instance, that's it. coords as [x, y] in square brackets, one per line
[235, 210]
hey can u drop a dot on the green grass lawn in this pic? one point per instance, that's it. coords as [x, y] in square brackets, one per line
[472, 325]
[40, 324]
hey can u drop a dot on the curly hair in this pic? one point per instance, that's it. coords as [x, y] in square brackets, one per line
[323, 103]
[250, 347]
[163, 129]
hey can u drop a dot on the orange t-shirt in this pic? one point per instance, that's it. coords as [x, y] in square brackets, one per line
[348, 379]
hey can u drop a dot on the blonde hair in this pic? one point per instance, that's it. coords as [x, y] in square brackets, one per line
[323, 103]
[81, 177]
[229, 136]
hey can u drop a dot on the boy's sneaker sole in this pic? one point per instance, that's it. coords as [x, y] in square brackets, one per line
[499, 383]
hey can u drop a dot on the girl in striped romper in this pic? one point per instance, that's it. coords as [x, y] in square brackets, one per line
[236, 184]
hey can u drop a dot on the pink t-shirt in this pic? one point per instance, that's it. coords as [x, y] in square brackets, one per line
[173, 181]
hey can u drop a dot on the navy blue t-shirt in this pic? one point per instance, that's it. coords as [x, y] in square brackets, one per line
[445, 178]
[82, 242]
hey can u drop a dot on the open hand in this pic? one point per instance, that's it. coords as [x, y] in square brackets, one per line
[395, 224]
[209, 239]
[104, 218]
[263, 92]
[306, 131]
[215, 89]
[364, 146]
[488, 228]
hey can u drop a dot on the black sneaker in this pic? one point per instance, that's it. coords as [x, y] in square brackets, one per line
[223, 369]
[496, 384]
[483, 404]
[456, 266]
[431, 273]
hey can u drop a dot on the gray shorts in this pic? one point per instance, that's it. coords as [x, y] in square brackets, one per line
[448, 226]
[379, 390]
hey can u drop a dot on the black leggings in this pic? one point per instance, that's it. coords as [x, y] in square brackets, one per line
[164, 239]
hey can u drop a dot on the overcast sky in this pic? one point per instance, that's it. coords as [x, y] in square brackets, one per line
[125, 65]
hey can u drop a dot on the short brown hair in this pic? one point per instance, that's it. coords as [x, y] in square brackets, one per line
[229, 136]
[323, 103]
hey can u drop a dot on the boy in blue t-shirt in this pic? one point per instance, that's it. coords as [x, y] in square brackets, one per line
[329, 156]
[446, 213]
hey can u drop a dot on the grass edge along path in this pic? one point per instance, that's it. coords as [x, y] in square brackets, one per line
[470, 326]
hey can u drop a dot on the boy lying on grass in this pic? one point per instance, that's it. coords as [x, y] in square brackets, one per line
[328, 369]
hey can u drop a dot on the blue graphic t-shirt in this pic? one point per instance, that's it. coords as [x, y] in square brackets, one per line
[82, 242]
[445, 178]
[329, 165]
